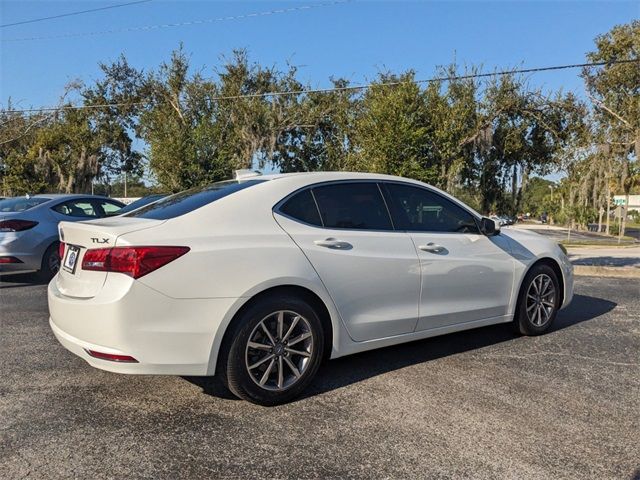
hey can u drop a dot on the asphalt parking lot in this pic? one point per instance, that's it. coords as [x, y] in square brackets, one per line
[478, 404]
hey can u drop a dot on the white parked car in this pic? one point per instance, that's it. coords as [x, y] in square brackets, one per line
[260, 278]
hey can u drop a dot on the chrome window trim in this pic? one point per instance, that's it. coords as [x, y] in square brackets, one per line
[380, 183]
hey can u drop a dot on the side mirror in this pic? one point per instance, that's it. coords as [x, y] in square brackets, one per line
[489, 227]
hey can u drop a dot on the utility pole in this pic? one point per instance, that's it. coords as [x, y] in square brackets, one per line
[125, 184]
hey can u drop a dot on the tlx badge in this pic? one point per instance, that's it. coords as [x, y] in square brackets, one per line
[100, 240]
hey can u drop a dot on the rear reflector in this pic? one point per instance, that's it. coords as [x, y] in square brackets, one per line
[133, 261]
[9, 260]
[16, 225]
[111, 357]
[61, 250]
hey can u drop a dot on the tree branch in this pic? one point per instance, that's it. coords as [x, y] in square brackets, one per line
[608, 110]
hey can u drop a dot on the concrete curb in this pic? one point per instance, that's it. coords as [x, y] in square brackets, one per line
[594, 271]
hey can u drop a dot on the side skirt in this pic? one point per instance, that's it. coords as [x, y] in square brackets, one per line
[356, 347]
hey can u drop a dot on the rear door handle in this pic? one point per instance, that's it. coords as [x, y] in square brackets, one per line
[333, 243]
[432, 248]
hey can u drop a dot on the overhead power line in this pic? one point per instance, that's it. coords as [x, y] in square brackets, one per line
[181, 24]
[345, 88]
[71, 14]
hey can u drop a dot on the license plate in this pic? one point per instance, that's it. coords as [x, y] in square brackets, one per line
[71, 258]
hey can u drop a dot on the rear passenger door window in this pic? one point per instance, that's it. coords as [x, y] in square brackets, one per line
[105, 208]
[81, 208]
[354, 206]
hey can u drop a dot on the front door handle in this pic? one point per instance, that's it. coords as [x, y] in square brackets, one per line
[333, 243]
[432, 248]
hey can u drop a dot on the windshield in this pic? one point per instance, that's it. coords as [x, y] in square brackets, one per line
[20, 204]
[189, 200]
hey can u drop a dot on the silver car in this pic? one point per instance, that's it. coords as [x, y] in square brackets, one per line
[29, 228]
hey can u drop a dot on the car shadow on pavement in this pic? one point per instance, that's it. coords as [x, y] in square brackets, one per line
[21, 280]
[356, 368]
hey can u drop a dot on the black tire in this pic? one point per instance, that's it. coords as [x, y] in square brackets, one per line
[50, 262]
[237, 356]
[534, 316]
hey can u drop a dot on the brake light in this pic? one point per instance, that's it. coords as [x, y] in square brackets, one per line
[16, 225]
[133, 261]
[61, 249]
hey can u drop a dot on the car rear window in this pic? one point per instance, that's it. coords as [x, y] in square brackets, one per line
[21, 204]
[190, 200]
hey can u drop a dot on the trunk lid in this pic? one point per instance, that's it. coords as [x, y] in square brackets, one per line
[103, 233]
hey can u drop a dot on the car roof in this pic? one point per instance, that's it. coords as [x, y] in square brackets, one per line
[309, 178]
[58, 196]
[328, 176]
[303, 179]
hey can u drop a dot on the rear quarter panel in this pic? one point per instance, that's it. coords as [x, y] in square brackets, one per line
[30, 245]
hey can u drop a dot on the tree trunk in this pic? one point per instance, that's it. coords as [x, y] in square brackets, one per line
[523, 188]
[600, 213]
[608, 207]
[514, 186]
[625, 187]
[623, 214]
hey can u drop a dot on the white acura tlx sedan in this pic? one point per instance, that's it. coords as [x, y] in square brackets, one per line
[260, 278]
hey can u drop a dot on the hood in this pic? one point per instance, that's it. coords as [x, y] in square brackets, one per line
[527, 244]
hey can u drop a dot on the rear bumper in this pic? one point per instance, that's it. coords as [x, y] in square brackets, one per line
[28, 247]
[11, 268]
[29, 262]
[166, 336]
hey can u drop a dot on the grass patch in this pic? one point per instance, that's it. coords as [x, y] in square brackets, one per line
[626, 241]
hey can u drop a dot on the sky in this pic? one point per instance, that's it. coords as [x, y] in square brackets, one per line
[353, 39]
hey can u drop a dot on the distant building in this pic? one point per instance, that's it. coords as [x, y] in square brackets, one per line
[634, 201]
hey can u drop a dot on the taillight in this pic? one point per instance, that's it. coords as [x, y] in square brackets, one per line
[16, 225]
[61, 249]
[133, 261]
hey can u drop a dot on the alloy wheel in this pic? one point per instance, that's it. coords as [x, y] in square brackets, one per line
[279, 350]
[541, 300]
